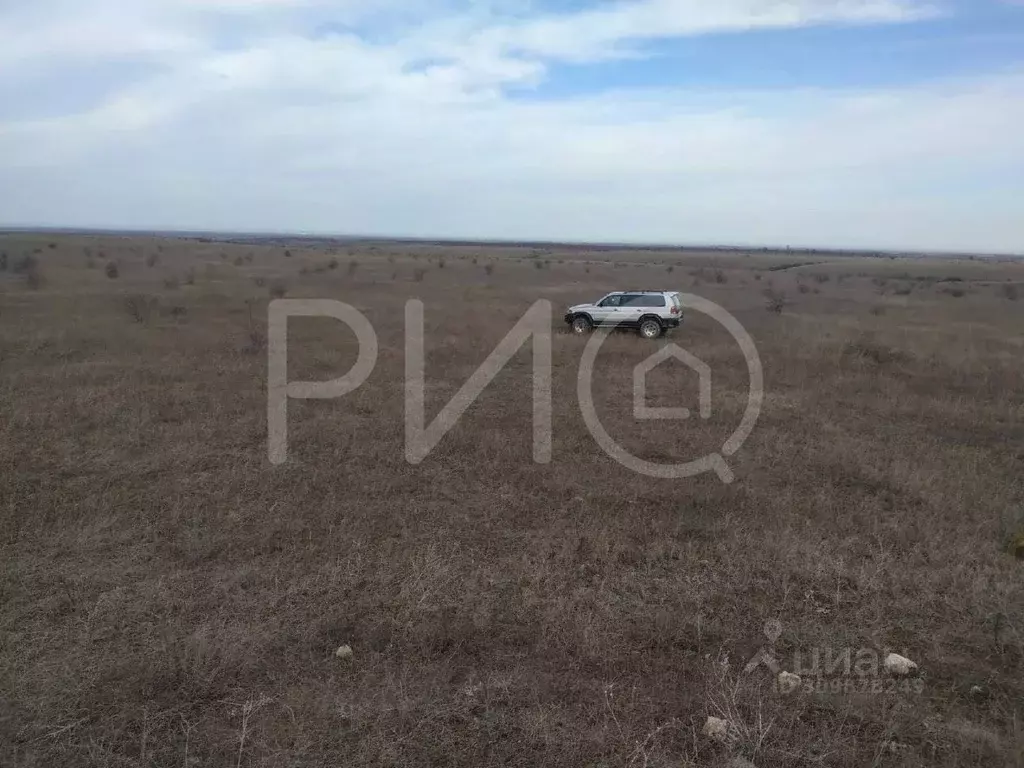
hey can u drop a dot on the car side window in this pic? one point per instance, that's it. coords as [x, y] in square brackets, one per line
[632, 300]
[611, 301]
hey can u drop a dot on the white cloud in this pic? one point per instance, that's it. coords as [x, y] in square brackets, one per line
[411, 132]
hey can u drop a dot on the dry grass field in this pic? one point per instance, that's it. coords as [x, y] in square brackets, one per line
[170, 598]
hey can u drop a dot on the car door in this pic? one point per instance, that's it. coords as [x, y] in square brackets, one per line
[605, 309]
[630, 309]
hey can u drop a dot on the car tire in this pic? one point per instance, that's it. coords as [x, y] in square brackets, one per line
[651, 329]
[581, 324]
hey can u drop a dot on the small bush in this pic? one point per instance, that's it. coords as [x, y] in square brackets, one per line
[177, 311]
[333, 263]
[488, 269]
[775, 301]
[670, 269]
[440, 263]
[879, 354]
[3, 262]
[152, 259]
[257, 339]
[956, 293]
[53, 246]
[33, 272]
[111, 270]
[278, 289]
[820, 278]
[139, 307]
[758, 276]
[720, 277]
[803, 288]
[238, 261]
[287, 254]
[903, 290]
[419, 274]
[1010, 292]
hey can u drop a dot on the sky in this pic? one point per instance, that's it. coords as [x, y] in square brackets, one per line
[891, 124]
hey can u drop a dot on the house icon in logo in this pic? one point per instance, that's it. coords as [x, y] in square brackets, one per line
[642, 411]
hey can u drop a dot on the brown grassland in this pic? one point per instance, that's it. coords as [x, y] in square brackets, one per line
[170, 598]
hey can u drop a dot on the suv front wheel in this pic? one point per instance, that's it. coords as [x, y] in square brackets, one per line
[581, 324]
[651, 328]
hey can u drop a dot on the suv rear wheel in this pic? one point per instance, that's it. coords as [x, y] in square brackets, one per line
[581, 324]
[650, 328]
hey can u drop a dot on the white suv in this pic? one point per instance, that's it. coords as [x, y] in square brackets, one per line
[649, 312]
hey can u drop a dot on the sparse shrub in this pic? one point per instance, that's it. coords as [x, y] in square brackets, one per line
[775, 301]
[3, 262]
[394, 275]
[53, 246]
[333, 263]
[538, 264]
[223, 256]
[171, 282]
[257, 339]
[152, 259]
[33, 272]
[720, 277]
[903, 290]
[352, 267]
[278, 289]
[238, 261]
[758, 276]
[670, 269]
[956, 292]
[1010, 292]
[820, 278]
[419, 274]
[440, 263]
[287, 254]
[802, 288]
[488, 269]
[880, 354]
[475, 261]
[139, 307]
[111, 270]
[190, 277]
[248, 258]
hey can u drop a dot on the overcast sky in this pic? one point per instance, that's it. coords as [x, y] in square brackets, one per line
[874, 123]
